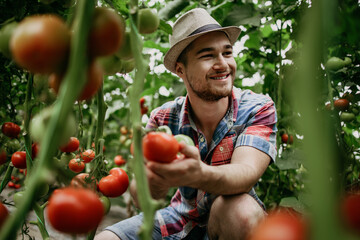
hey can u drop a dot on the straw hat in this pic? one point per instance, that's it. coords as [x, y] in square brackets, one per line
[190, 26]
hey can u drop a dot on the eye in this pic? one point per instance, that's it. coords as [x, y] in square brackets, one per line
[228, 53]
[206, 56]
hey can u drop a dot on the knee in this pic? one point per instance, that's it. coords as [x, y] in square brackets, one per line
[106, 235]
[233, 216]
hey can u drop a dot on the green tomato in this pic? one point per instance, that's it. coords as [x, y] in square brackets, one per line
[111, 64]
[184, 138]
[106, 204]
[335, 63]
[125, 51]
[347, 117]
[147, 20]
[18, 198]
[39, 124]
[5, 35]
[164, 129]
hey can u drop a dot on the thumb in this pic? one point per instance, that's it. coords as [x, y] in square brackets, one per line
[189, 151]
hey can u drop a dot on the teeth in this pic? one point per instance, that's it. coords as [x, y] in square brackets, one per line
[219, 78]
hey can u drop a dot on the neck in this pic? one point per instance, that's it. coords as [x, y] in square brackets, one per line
[207, 115]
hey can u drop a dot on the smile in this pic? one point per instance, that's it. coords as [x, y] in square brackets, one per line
[220, 77]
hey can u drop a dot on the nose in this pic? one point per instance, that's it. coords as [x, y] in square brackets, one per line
[220, 63]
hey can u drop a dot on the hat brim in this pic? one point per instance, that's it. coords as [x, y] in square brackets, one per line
[174, 52]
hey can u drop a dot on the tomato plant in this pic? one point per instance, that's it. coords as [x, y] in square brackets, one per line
[71, 146]
[76, 165]
[18, 159]
[106, 33]
[115, 184]
[281, 224]
[119, 160]
[10, 129]
[40, 43]
[4, 213]
[160, 147]
[147, 21]
[88, 155]
[74, 210]
[94, 81]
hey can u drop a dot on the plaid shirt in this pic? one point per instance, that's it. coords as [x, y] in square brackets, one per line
[250, 121]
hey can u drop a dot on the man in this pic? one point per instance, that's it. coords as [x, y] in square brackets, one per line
[234, 132]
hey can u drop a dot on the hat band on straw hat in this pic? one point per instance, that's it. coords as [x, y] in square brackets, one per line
[205, 28]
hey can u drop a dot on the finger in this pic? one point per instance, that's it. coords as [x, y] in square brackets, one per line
[189, 151]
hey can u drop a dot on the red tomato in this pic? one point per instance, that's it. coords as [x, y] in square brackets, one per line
[142, 101]
[34, 150]
[119, 160]
[11, 184]
[94, 81]
[76, 165]
[10, 129]
[350, 210]
[144, 110]
[284, 138]
[41, 43]
[3, 157]
[71, 146]
[88, 155]
[341, 104]
[281, 225]
[4, 213]
[160, 147]
[107, 32]
[74, 210]
[18, 159]
[115, 184]
[83, 180]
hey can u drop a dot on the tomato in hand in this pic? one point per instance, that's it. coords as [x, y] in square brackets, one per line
[74, 210]
[115, 184]
[281, 224]
[107, 32]
[71, 146]
[160, 147]
[88, 155]
[119, 160]
[10, 129]
[4, 213]
[18, 159]
[76, 165]
[41, 43]
[94, 81]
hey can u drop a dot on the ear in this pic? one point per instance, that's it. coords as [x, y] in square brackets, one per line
[180, 69]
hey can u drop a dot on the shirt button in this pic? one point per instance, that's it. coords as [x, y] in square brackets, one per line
[221, 149]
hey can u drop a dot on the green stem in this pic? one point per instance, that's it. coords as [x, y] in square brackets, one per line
[7, 177]
[147, 204]
[71, 87]
[27, 109]
[39, 211]
[100, 119]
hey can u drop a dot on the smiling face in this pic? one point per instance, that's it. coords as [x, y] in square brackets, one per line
[209, 67]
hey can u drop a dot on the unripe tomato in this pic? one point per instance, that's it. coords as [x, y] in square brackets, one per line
[350, 212]
[40, 43]
[125, 51]
[147, 21]
[4, 213]
[184, 138]
[40, 121]
[94, 81]
[281, 225]
[106, 204]
[18, 198]
[18, 159]
[5, 35]
[160, 147]
[71, 146]
[347, 117]
[341, 104]
[115, 184]
[335, 63]
[88, 155]
[107, 32]
[76, 165]
[74, 210]
[10, 129]
[3, 156]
